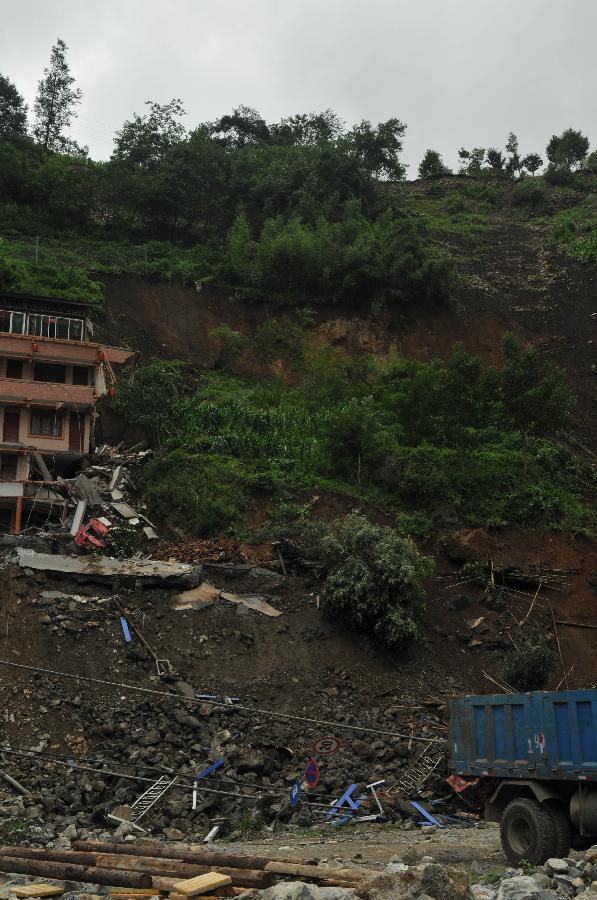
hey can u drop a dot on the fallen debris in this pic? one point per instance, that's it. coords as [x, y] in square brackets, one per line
[256, 603]
[37, 890]
[201, 597]
[101, 566]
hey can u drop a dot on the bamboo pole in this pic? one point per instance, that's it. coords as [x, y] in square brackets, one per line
[555, 631]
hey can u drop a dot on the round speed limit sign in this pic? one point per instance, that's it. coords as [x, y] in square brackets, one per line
[323, 746]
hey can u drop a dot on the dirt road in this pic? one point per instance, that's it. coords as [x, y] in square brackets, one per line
[477, 848]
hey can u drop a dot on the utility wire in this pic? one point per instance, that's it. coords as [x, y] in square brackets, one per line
[248, 709]
[159, 770]
[178, 785]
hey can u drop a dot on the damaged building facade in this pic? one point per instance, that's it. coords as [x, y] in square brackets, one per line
[52, 373]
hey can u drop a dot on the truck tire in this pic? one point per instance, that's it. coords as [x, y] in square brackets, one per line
[528, 831]
[563, 828]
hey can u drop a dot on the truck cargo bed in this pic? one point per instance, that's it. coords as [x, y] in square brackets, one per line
[543, 734]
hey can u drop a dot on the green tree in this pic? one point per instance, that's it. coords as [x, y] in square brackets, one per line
[377, 148]
[514, 164]
[308, 129]
[243, 126]
[567, 149]
[145, 140]
[471, 160]
[373, 577]
[433, 164]
[55, 103]
[496, 159]
[149, 400]
[532, 162]
[591, 162]
[13, 110]
[241, 249]
[533, 390]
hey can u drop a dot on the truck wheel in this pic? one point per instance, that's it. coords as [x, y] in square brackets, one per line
[528, 831]
[563, 829]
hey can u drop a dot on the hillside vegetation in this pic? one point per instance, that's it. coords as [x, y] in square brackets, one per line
[439, 443]
[307, 212]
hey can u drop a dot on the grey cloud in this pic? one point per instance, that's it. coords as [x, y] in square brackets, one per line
[458, 72]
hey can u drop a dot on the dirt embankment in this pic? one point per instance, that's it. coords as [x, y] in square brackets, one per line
[511, 280]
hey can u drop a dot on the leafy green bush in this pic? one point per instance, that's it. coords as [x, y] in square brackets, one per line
[232, 343]
[46, 279]
[531, 193]
[373, 577]
[148, 398]
[198, 493]
[529, 667]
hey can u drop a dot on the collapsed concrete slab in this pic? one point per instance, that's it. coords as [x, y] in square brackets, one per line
[102, 566]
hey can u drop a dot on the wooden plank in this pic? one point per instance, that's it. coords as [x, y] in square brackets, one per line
[37, 890]
[133, 893]
[202, 884]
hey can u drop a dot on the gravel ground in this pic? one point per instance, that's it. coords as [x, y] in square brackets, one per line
[477, 847]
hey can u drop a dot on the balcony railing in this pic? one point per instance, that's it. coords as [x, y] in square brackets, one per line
[38, 325]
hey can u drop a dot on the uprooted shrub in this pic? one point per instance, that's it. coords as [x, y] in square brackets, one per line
[531, 663]
[373, 578]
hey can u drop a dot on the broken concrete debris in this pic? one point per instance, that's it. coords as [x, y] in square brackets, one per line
[205, 595]
[101, 566]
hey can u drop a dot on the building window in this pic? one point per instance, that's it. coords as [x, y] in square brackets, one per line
[46, 423]
[14, 368]
[8, 466]
[81, 375]
[49, 372]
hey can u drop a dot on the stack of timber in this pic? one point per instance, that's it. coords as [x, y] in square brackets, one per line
[169, 869]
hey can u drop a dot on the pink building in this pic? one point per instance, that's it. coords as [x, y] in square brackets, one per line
[52, 374]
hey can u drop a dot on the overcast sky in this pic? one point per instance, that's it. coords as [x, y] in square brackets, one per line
[457, 72]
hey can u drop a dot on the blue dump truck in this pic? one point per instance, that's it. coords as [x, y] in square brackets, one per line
[535, 756]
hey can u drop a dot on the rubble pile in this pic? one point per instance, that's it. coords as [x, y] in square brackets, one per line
[556, 879]
[140, 739]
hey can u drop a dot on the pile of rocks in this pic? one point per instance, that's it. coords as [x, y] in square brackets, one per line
[142, 739]
[556, 879]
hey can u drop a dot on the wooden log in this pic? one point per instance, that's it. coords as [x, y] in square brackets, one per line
[70, 872]
[318, 873]
[177, 869]
[159, 851]
[36, 890]
[64, 856]
[211, 859]
[168, 867]
[202, 884]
